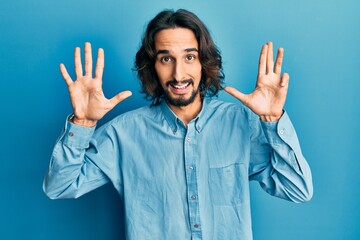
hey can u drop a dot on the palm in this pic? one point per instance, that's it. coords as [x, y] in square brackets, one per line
[268, 98]
[87, 97]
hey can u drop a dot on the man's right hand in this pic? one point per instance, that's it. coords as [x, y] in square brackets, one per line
[86, 93]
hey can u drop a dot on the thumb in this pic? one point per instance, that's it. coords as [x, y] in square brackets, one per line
[120, 97]
[235, 93]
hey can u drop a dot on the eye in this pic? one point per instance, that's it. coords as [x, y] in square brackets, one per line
[165, 59]
[190, 58]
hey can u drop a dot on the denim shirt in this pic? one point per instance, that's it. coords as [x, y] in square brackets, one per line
[182, 182]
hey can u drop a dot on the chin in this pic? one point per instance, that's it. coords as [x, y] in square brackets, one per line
[180, 101]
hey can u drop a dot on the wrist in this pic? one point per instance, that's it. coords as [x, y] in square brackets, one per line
[271, 118]
[82, 122]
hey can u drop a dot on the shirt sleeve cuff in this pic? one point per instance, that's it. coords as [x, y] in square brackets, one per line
[279, 132]
[77, 136]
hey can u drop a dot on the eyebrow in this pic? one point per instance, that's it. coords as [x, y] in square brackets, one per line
[185, 50]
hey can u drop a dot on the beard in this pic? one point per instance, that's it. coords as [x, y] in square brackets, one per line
[180, 101]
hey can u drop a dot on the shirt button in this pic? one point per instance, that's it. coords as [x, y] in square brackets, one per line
[282, 131]
[188, 139]
[71, 134]
[193, 197]
[191, 168]
[196, 225]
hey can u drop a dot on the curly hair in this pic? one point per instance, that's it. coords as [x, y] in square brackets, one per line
[212, 76]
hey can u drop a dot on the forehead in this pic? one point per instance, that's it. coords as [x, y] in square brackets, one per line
[175, 39]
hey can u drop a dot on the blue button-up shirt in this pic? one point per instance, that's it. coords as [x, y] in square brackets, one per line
[182, 182]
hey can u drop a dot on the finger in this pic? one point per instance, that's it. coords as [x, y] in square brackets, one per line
[279, 60]
[262, 60]
[270, 58]
[65, 74]
[285, 80]
[88, 59]
[77, 61]
[120, 97]
[235, 93]
[99, 64]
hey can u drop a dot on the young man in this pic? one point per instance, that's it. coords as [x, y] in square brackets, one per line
[182, 165]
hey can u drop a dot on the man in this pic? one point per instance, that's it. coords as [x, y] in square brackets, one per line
[182, 165]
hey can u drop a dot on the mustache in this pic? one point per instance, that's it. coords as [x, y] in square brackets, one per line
[175, 82]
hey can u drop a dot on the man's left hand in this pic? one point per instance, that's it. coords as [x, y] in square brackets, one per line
[268, 98]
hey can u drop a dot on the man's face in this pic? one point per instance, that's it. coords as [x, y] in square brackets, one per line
[178, 66]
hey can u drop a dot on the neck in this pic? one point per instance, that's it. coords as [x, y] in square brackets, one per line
[189, 112]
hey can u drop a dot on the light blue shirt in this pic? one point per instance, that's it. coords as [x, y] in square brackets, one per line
[182, 182]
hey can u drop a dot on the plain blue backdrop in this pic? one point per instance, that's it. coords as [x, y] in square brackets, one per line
[322, 55]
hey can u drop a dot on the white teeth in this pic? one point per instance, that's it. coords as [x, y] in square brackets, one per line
[181, 86]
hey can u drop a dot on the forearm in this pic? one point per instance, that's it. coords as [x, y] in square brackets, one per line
[71, 173]
[286, 173]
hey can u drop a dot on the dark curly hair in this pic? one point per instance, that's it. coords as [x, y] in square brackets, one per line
[212, 76]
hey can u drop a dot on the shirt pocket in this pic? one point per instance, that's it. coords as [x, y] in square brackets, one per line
[229, 184]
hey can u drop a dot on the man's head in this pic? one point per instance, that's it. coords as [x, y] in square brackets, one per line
[178, 59]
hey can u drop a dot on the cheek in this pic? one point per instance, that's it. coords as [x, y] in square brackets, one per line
[196, 71]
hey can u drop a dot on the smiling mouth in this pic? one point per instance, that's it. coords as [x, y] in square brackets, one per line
[180, 85]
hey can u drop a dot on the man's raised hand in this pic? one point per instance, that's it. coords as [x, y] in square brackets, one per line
[268, 98]
[86, 93]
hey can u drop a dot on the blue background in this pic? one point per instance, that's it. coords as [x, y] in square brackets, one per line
[321, 40]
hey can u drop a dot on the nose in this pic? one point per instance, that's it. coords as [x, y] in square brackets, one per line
[179, 71]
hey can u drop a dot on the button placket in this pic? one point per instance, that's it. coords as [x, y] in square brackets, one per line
[190, 156]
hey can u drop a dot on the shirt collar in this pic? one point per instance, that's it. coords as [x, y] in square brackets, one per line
[175, 122]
